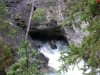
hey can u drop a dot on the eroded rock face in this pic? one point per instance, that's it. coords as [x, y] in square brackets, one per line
[54, 11]
[57, 12]
[19, 12]
[49, 30]
[12, 3]
[20, 16]
[75, 34]
[15, 40]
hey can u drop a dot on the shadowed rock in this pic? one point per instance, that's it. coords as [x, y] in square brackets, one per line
[52, 45]
[2, 72]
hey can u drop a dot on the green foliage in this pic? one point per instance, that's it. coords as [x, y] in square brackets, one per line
[89, 51]
[2, 15]
[2, 9]
[5, 50]
[91, 1]
[4, 22]
[6, 29]
[85, 9]
[11, 31]
[5, 56]
[70, 57]
[27, 64]
[39, 15]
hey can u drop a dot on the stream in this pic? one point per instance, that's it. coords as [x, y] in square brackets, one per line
[53, 55]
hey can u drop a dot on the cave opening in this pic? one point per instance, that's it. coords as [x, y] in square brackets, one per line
[44, 37]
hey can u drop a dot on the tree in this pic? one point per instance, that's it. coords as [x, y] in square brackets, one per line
[20, 67]
[39, 15]
[89, 50]
[5, 50]
[27, 63]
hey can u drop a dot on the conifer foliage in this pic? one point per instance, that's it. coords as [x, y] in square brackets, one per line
[20, 67]
[89, 50]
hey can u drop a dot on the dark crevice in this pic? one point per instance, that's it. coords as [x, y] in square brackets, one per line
[44, 36]
[2, 72]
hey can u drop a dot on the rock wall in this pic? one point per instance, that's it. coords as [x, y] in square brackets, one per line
[19, 11]
[14, 40]
[58, 12]
[54, 10]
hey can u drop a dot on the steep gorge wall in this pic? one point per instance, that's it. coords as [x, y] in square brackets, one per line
[19, 11]
[54, 10]
[12, 36]
[58, 12]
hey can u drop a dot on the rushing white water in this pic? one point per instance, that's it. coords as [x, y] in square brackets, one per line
[53, 55]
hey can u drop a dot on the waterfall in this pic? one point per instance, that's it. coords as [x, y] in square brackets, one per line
[53, 55]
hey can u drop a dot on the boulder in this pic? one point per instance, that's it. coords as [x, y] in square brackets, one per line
[52, 44]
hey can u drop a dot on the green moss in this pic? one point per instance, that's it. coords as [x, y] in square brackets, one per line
[6, 29]
[6, 60]
[39, 15]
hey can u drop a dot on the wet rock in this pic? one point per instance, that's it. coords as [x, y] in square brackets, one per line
[52, 44]
[49, 30]
[44, 59]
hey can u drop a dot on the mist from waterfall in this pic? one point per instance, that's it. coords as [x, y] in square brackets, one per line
[53, 55]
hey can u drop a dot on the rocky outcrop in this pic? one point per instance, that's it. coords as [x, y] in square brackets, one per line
[19, 11]
[49, 30]
[52, 44]
[58, 12]
[12, 35]
[20, 15]
[75, 34]
[55, 14]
